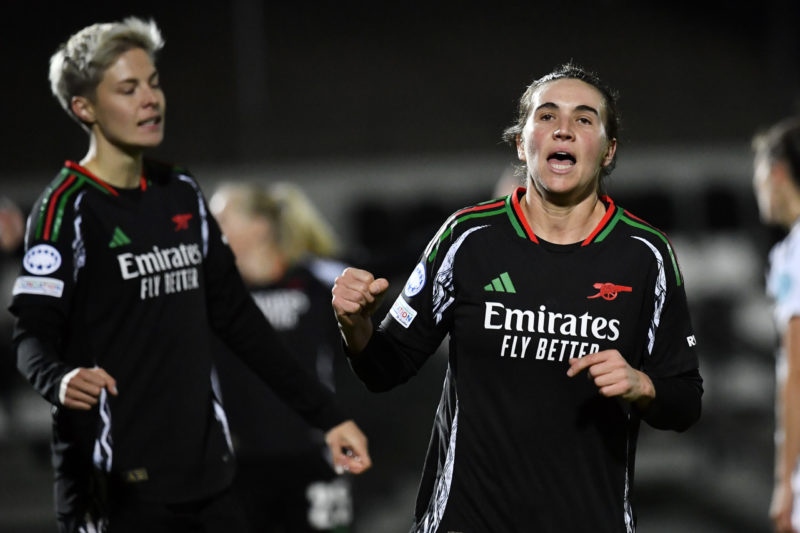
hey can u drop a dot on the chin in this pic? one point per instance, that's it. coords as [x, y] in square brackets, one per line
[151, 143]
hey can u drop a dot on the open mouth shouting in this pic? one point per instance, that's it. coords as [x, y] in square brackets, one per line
[561, 161]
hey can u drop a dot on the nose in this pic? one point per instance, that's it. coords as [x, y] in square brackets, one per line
[150, 97]
[563, 132]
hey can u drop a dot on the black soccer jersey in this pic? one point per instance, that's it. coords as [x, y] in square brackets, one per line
[517, 445]
[298, 307]
[134, 281]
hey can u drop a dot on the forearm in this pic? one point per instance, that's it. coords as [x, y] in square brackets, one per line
[677, 402]
[36, 340]
[356, 335]
[41, 367]
[789, 422]
[382, 364]
[646, 392]
[254, 341]
[788, 415]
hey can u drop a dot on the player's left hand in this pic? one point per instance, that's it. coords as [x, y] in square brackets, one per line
[348, 447]
[613, 376]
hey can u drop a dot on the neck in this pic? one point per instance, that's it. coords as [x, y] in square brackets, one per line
[112, 164]
[562, 223]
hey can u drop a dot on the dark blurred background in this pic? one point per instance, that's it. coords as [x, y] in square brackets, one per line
[390, 116]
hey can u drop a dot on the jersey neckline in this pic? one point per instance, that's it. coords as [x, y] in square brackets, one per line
[517, 210]
[75, 167]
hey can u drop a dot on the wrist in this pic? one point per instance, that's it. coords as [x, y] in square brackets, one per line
[647, 392]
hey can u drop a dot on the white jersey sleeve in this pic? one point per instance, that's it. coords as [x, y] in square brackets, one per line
[783, 278]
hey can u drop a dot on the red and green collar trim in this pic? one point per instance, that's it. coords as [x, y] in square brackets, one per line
[612, 217]
[70, 180]
[143, 182]
[511, 207]
[515, 207]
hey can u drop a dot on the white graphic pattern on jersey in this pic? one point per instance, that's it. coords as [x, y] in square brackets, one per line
[630, 525]
[660, 296]
[78, 248]
[219, 411]
[103, 452]
[443, 281]
[430, 521]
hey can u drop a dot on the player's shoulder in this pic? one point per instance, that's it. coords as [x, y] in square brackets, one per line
[487, 212]
[630, 228]
[71, 179]
[61, 200]
[624, 221]
[324, 270]
[465, 221]
[787, 250]
[163, 173]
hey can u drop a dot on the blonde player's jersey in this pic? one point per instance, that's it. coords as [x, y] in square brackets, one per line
[135, 281]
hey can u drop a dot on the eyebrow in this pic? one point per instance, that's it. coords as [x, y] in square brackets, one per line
[581, 107]
[135, 80]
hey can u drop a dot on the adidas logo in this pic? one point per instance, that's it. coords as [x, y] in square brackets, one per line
[501, 283]
[118, 239]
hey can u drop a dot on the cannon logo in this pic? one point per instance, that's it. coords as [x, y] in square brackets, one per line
[182, 221]
[608, 291]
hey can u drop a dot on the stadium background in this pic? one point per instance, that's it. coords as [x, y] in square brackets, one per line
[390, 117]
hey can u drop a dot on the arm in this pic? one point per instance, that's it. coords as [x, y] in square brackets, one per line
[613, 376]
[356, 297]
[377, 358]
[237, 320]
[383, 364]
[664, 403]
[787, 448]
[41, 303]
[38, 360]
[666, 388]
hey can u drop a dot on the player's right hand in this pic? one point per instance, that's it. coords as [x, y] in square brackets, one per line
[356, 296]
[81, 388]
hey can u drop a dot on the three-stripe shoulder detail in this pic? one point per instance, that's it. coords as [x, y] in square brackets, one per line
[489, 208]
[56, 197]
[625, 217]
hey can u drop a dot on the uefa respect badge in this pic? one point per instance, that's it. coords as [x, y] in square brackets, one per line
[403, 313]
[42, 260]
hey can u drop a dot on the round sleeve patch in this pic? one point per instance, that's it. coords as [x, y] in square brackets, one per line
[42, 259]
[415, 281]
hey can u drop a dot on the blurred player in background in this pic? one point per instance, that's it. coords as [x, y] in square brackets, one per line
[776, 181]
[12, 232]
[124, 280]
[284, 250]
[568, 325]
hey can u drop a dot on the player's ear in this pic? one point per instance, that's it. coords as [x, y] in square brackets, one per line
[610, 151]
[520, 148]
[83, 109]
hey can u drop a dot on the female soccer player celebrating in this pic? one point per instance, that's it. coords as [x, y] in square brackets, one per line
[537, 290]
